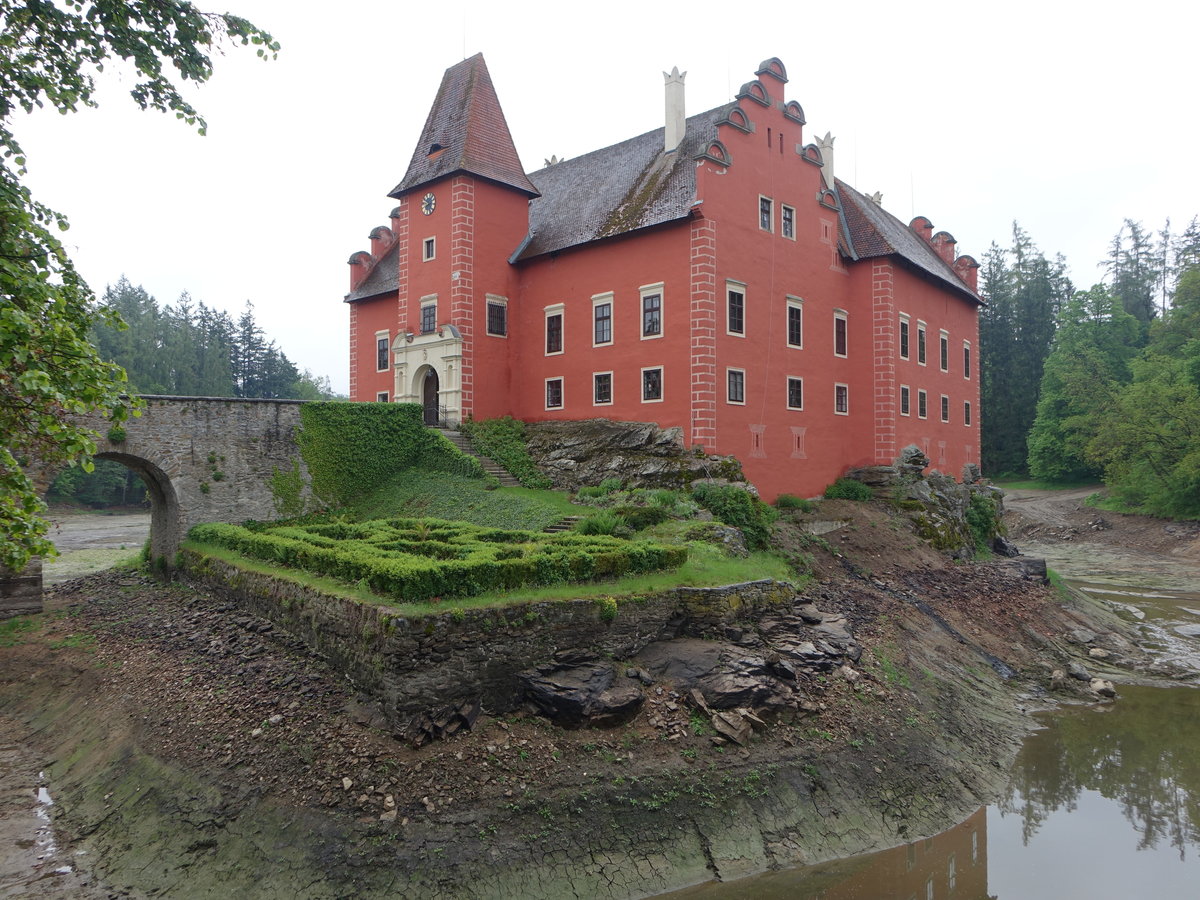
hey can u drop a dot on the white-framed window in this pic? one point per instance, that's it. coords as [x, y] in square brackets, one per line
[944, 351]
[923, 408]
[381, 397]
[497, 316]
[554, 393]
[967, 360]
[841, 399]
[905, 400]
[652, 384]
[787, 222]
[735, 386]
[905, 327]
[945, 408]
[652, 310]
[428, 315]
[840, 332]
[554, 329]
[602, 319]
[735, 308]
[602, 393]
[428, 249]
[795, 392]
[795, 322]
[920, 343]
[966, 412]
[765, 213]
[382, 345]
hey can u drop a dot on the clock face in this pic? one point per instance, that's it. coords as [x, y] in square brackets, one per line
[428, 202]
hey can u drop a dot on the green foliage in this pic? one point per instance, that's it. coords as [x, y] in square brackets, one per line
[12, 629]
[607, 608]
[287, 490]
[116, 434]
[735, 506]
[108, 484]
[791, 501]
[418, 560]
[848, 489]
[48, 369]
[982, 520]
[639, 517]
[1095, 341]
[609, 485]
[352, 448]
[602, 522]
[503, 441]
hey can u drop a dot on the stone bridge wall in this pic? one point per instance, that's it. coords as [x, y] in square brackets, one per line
[204, 459]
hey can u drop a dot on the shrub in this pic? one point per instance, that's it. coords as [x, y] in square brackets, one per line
[735, 506]
[608, 485]
[848, 489]
[639, 517]
[982, 520]
[589, 491]
[116, 434]
[791, 501]
[603, 522]
[607, 608]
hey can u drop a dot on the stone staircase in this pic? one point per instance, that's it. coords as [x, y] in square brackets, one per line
[460, 440]
[566, 523]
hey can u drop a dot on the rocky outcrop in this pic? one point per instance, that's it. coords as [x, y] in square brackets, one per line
[578, 453]
[937, 504]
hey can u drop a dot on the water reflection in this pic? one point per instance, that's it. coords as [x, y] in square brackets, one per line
[1104, 802]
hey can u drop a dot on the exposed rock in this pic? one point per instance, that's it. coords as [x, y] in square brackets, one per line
[1075, 670]
[577, 688]
[1099, 653]
[1103, 688]
[733, 726]
[1002, 546]
[641, 454]
[1058, 680]
[1080, 636]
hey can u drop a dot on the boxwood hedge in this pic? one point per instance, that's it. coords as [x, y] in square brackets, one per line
[418, 559]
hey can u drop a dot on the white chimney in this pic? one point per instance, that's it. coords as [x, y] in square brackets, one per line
[676, 118]
[825, 145]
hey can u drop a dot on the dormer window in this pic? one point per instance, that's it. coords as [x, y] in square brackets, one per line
[435, 148]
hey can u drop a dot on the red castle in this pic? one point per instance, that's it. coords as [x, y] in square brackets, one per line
[711, 275]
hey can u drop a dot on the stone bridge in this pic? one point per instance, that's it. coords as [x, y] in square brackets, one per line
[203, 459]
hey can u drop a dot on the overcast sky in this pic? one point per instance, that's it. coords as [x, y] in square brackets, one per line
[1067, 117]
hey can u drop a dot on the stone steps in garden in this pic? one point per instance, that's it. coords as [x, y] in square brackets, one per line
[567, 523]
[463, 443]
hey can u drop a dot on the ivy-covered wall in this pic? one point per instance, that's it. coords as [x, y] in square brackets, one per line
[352, 448]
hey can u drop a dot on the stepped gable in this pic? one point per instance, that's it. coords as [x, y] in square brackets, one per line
[630, 185]
[873, 232]
[384, 277]
[466, 132]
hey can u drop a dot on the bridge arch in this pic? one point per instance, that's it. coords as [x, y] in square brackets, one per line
[166, 519]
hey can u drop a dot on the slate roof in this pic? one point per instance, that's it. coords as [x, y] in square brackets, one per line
[873, 232]
[384, 278]
[618, 189]
[466, 121]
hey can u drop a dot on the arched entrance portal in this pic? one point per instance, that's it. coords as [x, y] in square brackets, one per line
[166, 527]
[430, 398]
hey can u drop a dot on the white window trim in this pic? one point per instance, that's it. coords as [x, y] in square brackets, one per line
[900, 401]
[770, 229]
[845, 317]
[597, 299]
[662, 384]
[782, 233]
[798, 303]
[922, 341]
[788, 395]
[387, 336]
[922, 401]
[609, 401]
[966, 352]
[644, 291]
[739, 287]
[728, 370]
[381, 397]
[429, 248]
[562, 393]
[835, 393]
[497, 300]
[944, 407]
[944, 341]
[554, 309]
[904, 320]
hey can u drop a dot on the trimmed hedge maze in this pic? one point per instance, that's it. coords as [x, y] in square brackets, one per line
[418, 559]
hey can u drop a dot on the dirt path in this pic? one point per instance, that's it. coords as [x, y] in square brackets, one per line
[93, 541]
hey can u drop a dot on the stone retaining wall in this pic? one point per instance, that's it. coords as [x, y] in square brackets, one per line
[420, 664]
[21, 592]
